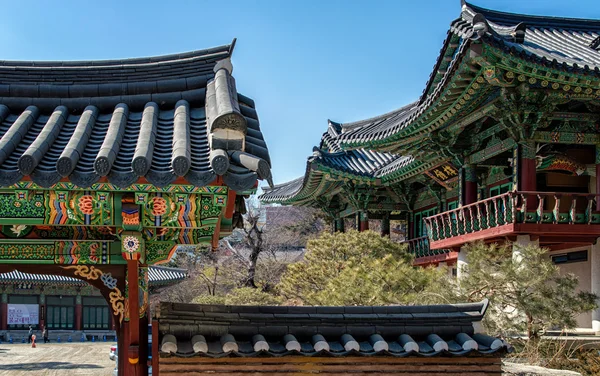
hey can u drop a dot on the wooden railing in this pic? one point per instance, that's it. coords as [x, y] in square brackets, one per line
[514, 207]
[419, 247]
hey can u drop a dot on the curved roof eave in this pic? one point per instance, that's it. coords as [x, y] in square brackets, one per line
[550, 41]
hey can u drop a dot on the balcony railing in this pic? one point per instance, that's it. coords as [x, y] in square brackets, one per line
[513, 208]
[419, 247]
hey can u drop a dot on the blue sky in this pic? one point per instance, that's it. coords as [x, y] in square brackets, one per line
[302, 61]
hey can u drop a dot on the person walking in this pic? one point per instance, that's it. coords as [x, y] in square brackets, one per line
[45, 335]
[29, 334]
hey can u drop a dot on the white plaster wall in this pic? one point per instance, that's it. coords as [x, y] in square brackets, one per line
[583, 271]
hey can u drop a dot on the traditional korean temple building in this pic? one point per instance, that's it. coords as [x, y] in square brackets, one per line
[67, 303]
[502, 145]
[106, 167]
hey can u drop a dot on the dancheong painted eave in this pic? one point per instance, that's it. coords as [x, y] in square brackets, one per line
[329, 159]
[567, 49]
[567, 45]
[156, 119]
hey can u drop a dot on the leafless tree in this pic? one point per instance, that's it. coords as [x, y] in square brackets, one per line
[273, 237]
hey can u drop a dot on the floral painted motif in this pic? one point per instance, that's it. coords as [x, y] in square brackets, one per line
[109, 281]
[94, 252]
[159, 206]
[85, 205]
[131, 244]
[18, 229]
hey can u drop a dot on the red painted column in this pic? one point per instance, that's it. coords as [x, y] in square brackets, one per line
[527, 171]
[340, 225]
[363, 221]
[122, 340]
[4, 311]
[470, 185]
[410, 234]
[385, 225]
[78, 312]
[597, 187]
[133, 345]
[597, 177]
[155, 365]
[43, 310]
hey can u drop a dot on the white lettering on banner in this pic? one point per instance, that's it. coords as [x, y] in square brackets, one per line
[23, 314]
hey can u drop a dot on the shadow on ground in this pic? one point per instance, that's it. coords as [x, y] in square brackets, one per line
[45, 365]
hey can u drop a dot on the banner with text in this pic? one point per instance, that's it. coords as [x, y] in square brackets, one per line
[23, 314]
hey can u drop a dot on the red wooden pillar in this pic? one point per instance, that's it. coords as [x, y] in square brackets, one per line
[527, 173]
[78, 312]
[4, 311]
[410, 234]
[340, 225]
[597, 186]
[133, 345]
[43, 310]
[597, 177]
[363, 221]
[470, 184]
[135, 362]
[122, 341]
[385, 225]
[155, 366]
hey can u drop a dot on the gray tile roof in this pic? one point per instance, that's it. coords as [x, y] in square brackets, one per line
[356, 162]
[553, 41]
[561, 43]
[188, 330]
[157, 276]
[156, 118]
[361, 162]
[282, 192]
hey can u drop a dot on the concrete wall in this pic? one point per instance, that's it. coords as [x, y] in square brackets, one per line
[583, 271]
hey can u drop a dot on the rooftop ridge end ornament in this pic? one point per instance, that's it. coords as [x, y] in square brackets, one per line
[224, 64]
[480, 26]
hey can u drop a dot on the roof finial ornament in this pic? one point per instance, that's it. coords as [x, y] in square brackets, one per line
[480, 26]
[519, 33]
[316, 152]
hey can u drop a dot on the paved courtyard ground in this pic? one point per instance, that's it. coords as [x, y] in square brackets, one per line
[56, 359]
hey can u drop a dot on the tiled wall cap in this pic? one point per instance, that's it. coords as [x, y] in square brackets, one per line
[228, 343]
[408, 343]
[199, 344]
[349, 343]
[319, 343]
[260, 343]
[291, 343]
[489, 341]
[169, 344]
[466, 342]
[378, 343]
[437, 343]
